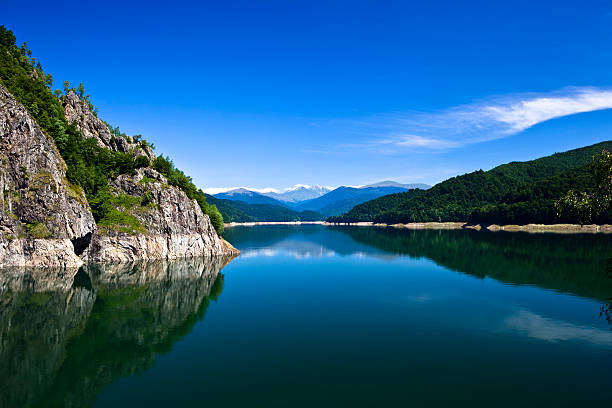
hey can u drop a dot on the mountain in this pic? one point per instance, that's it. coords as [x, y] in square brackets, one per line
[513, 193]
[306, 203]
[299, 193]
[343, 198]
[240, 211]
[323, 200]
[389, 183]
[248, 196]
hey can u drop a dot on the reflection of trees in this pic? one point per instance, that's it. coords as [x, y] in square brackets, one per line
[606, 312]
[574, 263]
[606, 309]
[75, 341]
[39, 310]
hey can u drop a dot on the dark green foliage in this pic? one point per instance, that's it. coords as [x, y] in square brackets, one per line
[216, 218]
[142, 161]
[229, 212]
[239, 211]
[118, 215]
[594, 204]
[39, 230]
[514, 193]
[535, 202]
[88, 165]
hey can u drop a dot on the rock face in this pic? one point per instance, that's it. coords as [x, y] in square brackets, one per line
[168, 224]
[46, 221]
[40, 211]
[78, 112]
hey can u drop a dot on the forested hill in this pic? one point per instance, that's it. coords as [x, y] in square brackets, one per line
[513, 193]
[240, 211]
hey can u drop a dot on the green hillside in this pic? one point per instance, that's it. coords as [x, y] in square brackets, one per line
[89, 166]
[513, 193]
[239, 211]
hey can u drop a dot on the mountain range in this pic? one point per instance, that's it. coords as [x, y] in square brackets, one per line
[299, 193]
[312, 202]
[513, 193]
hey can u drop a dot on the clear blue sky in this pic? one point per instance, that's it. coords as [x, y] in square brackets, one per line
[273, 93]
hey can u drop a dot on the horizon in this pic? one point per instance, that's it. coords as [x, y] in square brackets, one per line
[350, 94]
[265, 190]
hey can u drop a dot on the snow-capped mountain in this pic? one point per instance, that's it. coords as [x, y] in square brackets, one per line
[299, 192]
[324, 200]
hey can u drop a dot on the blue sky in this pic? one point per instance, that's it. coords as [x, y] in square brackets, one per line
[270, 94]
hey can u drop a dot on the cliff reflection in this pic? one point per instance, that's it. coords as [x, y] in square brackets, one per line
[61, 343]
[39, 310]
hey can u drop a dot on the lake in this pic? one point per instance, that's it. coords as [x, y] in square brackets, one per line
[320, 316]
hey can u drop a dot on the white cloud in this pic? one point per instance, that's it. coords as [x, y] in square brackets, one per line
[524, 114]
[490, 119]
[543, 328]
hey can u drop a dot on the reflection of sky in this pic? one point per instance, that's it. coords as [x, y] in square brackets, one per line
[543, 328]
[479, 302]
[299, 247]
[296, 248]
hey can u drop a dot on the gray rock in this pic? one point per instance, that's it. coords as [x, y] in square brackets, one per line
[40, 211]
[78, 112]
[43, 217]
[171, 225]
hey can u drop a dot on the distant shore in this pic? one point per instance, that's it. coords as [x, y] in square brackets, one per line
[531, 228]
[251, 224]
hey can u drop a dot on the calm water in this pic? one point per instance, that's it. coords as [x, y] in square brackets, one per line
[316, 316]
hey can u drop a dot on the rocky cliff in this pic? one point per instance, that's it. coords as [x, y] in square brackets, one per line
[166, 224]
[45, 220]
[41, 213]
[78, 112]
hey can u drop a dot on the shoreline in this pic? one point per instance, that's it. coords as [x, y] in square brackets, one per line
[530, 228]
[254, 223]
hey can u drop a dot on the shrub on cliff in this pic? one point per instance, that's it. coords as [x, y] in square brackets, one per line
[89, 166]
[177, 178]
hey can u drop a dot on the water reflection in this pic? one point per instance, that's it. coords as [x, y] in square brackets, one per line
[65, 335]
[573, 263]
[361, 309]
[39, 311]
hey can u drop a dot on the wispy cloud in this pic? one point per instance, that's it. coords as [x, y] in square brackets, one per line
[489, 119]
[535, 326]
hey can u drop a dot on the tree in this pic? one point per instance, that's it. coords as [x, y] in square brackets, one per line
[596, 206]
[215, 218]
[81, 90]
